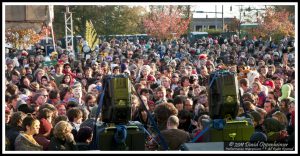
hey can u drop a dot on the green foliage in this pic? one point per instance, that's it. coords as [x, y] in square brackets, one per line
[59, 22]
[107, 19]
[214, 32]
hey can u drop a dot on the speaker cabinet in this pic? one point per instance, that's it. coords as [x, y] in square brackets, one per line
[223, 95]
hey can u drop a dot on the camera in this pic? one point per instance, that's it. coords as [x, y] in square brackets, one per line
[192, 79]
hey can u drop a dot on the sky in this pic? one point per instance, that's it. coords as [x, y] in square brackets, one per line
[218, 8]
[196, 6]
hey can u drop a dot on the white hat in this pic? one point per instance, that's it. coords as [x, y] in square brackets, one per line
[23, 97]
[276, 53]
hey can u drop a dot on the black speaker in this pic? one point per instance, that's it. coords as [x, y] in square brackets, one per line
[117, 99]
[135, 139]
[205, 146]
[223, 95]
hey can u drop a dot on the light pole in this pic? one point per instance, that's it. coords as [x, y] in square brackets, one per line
[240, 22]
[240, 18]
[222, 19]
[214, 13]
[240, 11]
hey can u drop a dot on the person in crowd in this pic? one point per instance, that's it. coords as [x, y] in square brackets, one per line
[67, 79]
[270, 84]
[161, 95]
[84, 138]
[63, 139]
[140, 110]
[25, 140]
[199, 127]
[65, 94]
[58, 75]
[92, 118]
[7, 117]
[11, 101]
[179, 101]
[67, 69]
[244, 85]
[173, 136]
[90, 102]
[45, 81]
[61, 109]
[278, 84]
[12, 89]
[257, 90]
[188, 105]
[88, 75]
[203, 100]
[10, 66]
[75, 119]
[14, 128]
[45, 118]
[269, 107]
[185, 120]
[281, 117]
[204, 76]
[54, 97]
[174, 81]
[166, 82]
[161, 72]
[275, 131]
[24, 83]
[38, 75]
[284, 107]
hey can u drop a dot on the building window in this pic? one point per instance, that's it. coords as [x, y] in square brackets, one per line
[198, 27]
[212, 27]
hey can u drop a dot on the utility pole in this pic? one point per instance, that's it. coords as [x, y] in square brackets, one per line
[216, 12]
[240, 23]
[222, 19]
[69, 30]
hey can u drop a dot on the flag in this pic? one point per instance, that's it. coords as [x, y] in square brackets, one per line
[91, 35]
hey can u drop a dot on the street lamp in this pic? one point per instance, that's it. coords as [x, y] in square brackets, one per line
[215, 13]
[251, 9]
[240, 22]
[244, 13]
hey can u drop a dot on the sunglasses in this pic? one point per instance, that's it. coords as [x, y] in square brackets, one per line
[33, 115]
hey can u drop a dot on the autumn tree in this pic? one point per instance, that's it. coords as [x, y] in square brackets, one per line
[234, 25]
[22, 38]
[275, 25]
[165, 22]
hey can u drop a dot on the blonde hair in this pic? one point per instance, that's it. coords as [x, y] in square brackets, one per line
[135, 98]
[280, 117]
[61, 129]
[165, 78]
[258, 85]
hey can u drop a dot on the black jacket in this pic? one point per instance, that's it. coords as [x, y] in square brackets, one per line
[61, 145]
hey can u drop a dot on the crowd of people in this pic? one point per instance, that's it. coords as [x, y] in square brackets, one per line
[54, 107]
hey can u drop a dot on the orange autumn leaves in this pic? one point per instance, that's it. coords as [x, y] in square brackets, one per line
[23, 38]
[275, 25]
[166, 24]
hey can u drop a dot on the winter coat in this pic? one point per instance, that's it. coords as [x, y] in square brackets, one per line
[23, 143]
[61, 145]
